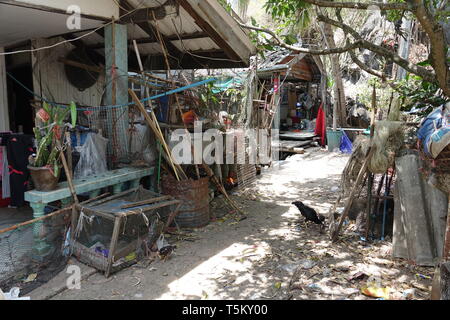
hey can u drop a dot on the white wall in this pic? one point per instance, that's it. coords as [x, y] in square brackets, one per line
[4, 117]
[100, 8]
[49, 78]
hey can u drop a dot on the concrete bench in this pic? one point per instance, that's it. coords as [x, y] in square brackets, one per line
[92, 185]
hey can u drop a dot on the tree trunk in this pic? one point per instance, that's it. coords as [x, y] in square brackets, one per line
[438, 44]
[339, 94]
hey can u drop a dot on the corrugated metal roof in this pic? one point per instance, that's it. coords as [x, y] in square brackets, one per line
[176, 24]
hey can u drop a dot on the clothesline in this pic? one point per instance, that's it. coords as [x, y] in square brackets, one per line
[167, 93]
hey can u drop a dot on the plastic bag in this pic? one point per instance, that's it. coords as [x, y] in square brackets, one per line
[92, 157]
[13, 294]
[346, 145]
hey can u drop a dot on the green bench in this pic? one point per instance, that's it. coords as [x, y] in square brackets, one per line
[92, 185]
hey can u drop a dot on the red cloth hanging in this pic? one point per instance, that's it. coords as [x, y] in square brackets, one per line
[321, 126]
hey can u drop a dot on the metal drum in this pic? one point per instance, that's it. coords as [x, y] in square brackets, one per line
[194, 211]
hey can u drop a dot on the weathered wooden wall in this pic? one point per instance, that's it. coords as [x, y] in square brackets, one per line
[49, 78]
[300, 70]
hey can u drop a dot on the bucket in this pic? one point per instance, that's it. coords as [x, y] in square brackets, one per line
[43, 178]
[194, 194]
[333, 139]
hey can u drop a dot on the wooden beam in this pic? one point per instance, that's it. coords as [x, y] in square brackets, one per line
[200, 60]
[151, 31]
[205, 26]
[144, 15]
[174, 37]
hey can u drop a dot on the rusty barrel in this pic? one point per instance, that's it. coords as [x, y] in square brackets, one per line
[194, 194]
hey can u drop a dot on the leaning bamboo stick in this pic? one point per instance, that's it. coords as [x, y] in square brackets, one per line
[351, 197]
[221, 188]
[23, 224]
[153, 125]
[164, 50]
[147, 91]
[147, 209]
[144, 202]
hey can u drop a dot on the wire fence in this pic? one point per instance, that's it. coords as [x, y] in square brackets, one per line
[32, 254]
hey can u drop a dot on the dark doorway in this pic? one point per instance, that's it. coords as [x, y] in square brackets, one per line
[21, 112]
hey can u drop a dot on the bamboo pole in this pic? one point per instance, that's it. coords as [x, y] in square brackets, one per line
[154, 126]
[164, 50]
[221, 188]
[351, 197]
[144, 202]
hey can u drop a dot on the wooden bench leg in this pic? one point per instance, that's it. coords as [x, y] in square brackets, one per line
[134, 183]
[40, 247]
[66, 202]
[94, 193]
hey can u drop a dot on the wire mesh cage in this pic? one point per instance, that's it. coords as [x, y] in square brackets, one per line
[118, 231]
[128, 139]
[31, 253]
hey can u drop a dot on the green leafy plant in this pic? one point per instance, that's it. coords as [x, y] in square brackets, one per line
[415, 92]
[51, 131]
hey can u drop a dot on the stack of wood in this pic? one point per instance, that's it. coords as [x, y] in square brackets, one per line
[295, 142]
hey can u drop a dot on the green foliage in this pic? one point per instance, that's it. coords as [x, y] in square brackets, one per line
[208, 99]
[290, 14]
[47, 135]
[226, 5]
[415, 92]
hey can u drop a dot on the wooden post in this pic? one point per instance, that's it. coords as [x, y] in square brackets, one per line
[116, 57]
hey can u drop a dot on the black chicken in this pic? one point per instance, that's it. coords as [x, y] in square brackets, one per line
[309, 213]
[165, 252]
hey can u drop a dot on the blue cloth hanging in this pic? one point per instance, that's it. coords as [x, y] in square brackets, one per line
[346, 145]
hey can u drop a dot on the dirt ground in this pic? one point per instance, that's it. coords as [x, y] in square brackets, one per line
[269, 255]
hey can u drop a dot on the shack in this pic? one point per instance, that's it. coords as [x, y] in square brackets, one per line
[108, 66]
[294, 88]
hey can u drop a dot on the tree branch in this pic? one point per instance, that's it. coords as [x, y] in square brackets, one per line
[281, 43]
[438, 46]
[405, 64]
[360, 5]
[364, 67]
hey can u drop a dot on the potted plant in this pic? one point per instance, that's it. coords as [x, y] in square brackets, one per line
[45, 166]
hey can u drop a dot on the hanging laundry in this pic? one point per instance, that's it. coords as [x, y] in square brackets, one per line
[18, 147]
[6, 189]
[321, 125]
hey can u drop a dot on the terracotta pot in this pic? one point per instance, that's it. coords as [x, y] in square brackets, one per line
[43, 178]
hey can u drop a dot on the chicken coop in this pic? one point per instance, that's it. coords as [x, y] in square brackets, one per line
[115, 232]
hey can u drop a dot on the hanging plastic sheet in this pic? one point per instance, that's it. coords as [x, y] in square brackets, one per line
[346, 145]
[92, 157]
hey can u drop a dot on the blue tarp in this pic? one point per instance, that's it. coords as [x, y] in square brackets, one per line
[224, 84]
